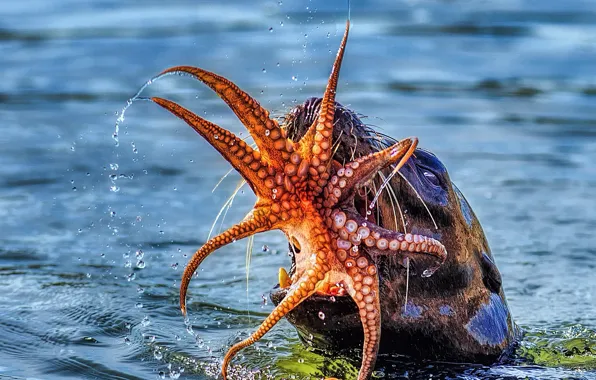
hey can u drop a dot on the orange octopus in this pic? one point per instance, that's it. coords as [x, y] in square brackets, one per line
[302, 191]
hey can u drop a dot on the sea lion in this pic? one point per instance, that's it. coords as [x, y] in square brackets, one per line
[459, 314]
[315, 185]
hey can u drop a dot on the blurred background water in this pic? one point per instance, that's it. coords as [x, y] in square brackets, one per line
[94, 236]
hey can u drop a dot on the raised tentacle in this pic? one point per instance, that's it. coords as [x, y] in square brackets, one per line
[265, 131]
[243, 158]
[317, 142]
[299, 291]
[359, 172]
[255, 222]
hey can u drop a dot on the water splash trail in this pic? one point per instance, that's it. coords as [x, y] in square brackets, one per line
[135, 98]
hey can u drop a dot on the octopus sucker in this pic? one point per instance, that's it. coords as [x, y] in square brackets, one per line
[308, 195]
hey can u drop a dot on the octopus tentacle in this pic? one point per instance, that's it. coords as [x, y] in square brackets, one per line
[383, 241]
[300, 290]
[254, 223]
[243, 158]
[265, 131]
[359, 172]
[317, 142]
[365, 293]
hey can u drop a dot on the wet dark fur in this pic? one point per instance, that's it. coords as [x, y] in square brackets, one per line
[459, 314]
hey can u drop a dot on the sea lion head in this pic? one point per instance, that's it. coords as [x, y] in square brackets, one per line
[458, 312]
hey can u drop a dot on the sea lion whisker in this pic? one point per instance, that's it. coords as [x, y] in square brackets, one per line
[257, 221]
[223, 218]
[392, 199]
[355, 146]
[378, 209]
[396, 167]
[249, 247]
[421, 200]
[221, 180]
[337, 144]
[228, 201]
[407, 285]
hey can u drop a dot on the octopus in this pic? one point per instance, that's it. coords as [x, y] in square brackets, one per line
[314, 199]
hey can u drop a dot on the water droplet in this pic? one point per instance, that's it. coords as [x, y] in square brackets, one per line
[145, 322]
[264, 71]
[140, 290]
[429, 272]
[139, 305]
[114, 166]
[141, 264]
[158, 355]
[112, 213]
[216, 136]
[265, 248]
[127, 341]
[294, 78]
[174, 266]
[271, 29]
[267, 132]
[113, 189]
[321, 315]
[139, 254]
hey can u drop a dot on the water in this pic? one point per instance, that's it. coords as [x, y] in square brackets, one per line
[503, 91]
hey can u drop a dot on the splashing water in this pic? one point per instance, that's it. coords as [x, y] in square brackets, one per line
[138, 97]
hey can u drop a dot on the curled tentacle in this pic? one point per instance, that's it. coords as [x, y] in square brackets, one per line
[317, 142]
[299, 291]
[359, 172]
[265, 131]
[243, 158]
[254, 223]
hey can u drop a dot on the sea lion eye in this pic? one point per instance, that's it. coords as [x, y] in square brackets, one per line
[430, 176]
